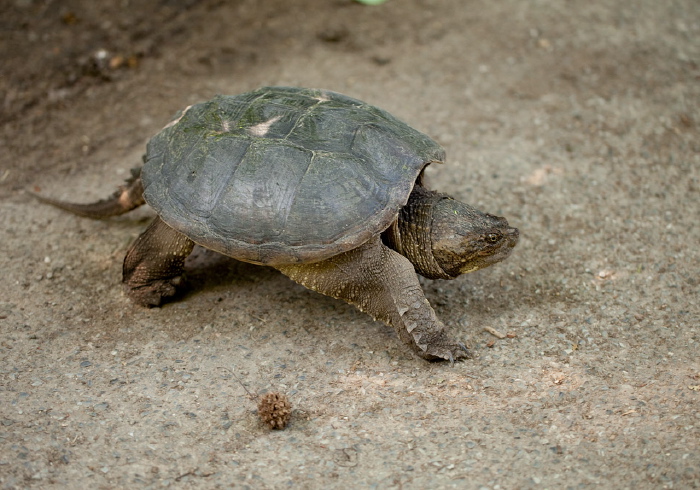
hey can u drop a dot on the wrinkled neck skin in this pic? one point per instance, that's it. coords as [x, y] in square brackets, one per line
[444, 238]
[410, 234]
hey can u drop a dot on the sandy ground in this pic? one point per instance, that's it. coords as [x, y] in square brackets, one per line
[578, 121]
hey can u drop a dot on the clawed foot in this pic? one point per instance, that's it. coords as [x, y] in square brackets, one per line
[153, 293]
[443, 348]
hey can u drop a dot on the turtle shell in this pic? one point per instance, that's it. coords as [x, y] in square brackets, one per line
[283, 175]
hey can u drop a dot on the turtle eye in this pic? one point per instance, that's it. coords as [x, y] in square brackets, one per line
[493, 237]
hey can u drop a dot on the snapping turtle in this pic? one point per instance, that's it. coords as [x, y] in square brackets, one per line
[323, 187]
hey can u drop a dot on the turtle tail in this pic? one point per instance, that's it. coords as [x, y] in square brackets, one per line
[129, 196]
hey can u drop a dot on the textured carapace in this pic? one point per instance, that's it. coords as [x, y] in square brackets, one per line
[283, 175]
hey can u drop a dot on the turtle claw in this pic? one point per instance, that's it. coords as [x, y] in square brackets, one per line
[460, 352]
[153, 293]
[446, 351]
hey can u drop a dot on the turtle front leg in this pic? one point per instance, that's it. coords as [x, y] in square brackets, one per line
[153, 265]
[382, 283]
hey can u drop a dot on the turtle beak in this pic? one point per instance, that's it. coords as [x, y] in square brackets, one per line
[512, 235]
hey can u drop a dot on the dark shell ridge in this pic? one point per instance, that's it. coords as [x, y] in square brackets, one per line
[283, 175]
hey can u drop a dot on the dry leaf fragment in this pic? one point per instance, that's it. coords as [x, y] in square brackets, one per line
[540, 176]
[606, 274]
[495, 332]
[558, 378]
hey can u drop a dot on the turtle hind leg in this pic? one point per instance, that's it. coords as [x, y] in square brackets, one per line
[382, 283]
[154, 264]
[129, 196]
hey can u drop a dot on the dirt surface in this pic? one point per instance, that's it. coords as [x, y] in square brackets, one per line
[578, 121]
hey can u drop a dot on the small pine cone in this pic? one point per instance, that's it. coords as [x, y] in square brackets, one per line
[274, 409]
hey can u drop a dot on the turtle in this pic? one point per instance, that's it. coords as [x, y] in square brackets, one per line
[323, 187]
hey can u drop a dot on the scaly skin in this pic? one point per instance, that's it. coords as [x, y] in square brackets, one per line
[154, 264]
[129, 196]
[382, 283]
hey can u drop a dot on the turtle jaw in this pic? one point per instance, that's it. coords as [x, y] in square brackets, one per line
[465, 240]
[498, 252]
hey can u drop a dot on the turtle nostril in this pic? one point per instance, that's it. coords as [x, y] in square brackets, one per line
[514, 236]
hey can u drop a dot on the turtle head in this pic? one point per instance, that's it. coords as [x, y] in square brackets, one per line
[444, 238]
[464, 239]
